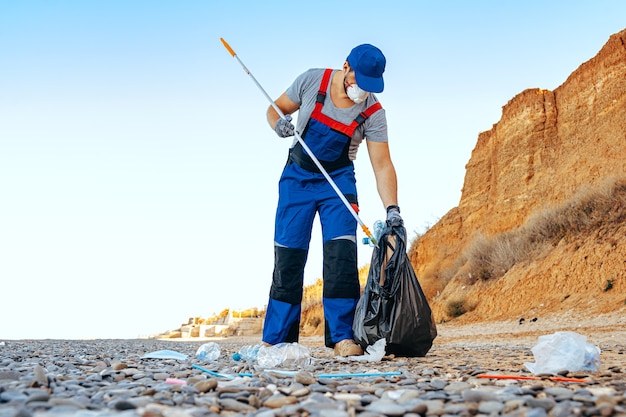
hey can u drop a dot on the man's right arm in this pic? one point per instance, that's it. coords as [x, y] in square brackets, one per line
[285, 104]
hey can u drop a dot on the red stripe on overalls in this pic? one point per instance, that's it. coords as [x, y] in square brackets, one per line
[335, 125]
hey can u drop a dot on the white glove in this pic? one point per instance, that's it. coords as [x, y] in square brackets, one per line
[393, 216]
[284, 128]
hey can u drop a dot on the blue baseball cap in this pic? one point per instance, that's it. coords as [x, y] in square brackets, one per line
[368, 63]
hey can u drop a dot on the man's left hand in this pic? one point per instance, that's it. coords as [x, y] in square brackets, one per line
[393, 217]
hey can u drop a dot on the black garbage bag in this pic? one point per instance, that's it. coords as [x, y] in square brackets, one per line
[393, 305]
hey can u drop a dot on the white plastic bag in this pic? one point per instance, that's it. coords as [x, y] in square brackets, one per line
[564, 351]
[373, 353]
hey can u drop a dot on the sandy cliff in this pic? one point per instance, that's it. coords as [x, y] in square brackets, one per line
[546, 148]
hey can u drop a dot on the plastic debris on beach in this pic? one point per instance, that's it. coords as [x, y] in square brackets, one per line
[564, 351]
[165, 354]
[373, 353]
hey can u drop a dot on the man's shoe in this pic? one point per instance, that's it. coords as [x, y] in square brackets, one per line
[347, 347]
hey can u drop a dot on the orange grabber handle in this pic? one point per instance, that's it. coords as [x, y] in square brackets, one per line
[227, 46]
[369, 234]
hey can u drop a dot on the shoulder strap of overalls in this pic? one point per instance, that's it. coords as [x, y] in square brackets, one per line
[338, 126]
[321, 93]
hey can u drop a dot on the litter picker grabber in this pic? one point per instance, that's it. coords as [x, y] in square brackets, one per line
[367, 232]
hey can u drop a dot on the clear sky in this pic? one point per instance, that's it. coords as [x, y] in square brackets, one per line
[138, 175]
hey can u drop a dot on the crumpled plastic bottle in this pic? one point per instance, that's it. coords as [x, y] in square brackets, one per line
[208, 352]
[284, 354]
[247, 353]
[378, 230]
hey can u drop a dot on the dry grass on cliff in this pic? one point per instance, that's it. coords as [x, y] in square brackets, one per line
[588, 210]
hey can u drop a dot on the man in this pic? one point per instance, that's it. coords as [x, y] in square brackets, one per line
[337, 110]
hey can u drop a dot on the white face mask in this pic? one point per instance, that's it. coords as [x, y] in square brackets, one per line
[356, 94]
[353, 91]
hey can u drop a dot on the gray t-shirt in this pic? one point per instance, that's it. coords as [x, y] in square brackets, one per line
[303, 91]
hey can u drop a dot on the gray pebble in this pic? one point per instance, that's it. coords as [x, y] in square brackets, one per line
[490, 407]
[234, 405]
[545, 403]
[387, 408]
[40, 377]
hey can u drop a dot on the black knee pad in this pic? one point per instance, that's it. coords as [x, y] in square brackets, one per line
[294, 333]
[341, 276]
[288, 275]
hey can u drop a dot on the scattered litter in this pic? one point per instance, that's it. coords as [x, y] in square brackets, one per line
[281, 354]
[533, 378]
[373, 353]
[346, 375]
[165, 354]
[281, 372]
[212, 373]
[293, 373]
[360, 374]
[564, 351]
[284, 354]
[208, 352]
[247, 353]
[175, 381]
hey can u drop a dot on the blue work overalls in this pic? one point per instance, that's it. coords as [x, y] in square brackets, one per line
[303, 192]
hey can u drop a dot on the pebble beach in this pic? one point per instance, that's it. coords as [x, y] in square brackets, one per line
[460, 376]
